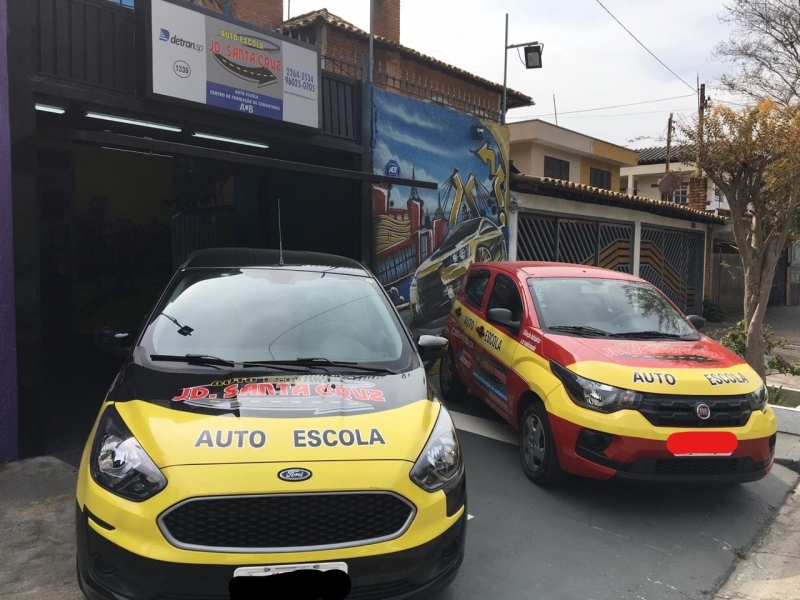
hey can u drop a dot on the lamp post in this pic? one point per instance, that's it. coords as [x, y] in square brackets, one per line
[533, 60]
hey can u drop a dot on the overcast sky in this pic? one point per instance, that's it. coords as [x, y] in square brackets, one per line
[589, 60]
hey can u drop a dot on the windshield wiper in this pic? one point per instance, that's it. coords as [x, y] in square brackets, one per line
[581, 329]
[278, 365]
[200, 359]
[326, 362]
[649, 335]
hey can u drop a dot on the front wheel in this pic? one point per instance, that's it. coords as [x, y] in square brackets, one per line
[537, 447]
[453, 389]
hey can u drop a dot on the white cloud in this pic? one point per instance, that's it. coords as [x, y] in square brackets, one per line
[589, 60]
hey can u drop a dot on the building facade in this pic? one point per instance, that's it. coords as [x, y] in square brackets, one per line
[145, 129]
[541, 149]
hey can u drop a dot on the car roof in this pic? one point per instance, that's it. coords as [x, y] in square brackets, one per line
[560, 270]
[233, 258]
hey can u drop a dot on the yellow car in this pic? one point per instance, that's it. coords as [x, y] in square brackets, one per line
[437, 280]
[273, 415]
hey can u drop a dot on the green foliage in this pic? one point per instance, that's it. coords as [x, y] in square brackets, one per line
[712, 312]
[740, 553]
[735, 339]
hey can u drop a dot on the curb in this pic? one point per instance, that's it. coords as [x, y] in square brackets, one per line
[788, 419]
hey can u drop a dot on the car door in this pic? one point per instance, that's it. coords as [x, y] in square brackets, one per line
[468, 314]
[497, 343]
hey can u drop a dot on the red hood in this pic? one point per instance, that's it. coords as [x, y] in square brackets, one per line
[664, 354]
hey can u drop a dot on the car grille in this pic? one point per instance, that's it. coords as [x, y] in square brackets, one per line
[680, 467]
[431, 291]
[286, 522]
[680, 411]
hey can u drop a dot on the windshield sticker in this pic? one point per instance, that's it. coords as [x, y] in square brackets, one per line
[654, 378]
[724, 378]
[662, 351]
[236, 439]
[314, 438]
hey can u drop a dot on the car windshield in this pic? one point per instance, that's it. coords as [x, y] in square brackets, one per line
[455, 235]
[278, 315]
[594, 306]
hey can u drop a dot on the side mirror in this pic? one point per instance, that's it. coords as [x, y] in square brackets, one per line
[431, 347]
[696, 321]
[503, 317]
[114, 340]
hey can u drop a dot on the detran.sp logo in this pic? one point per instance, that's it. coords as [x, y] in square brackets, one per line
[164, 36]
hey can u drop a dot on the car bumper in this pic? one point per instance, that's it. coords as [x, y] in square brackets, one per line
[627, 447]
[109, 572]
[122, 553]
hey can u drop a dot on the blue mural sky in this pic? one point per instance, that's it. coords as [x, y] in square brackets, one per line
[431, 139]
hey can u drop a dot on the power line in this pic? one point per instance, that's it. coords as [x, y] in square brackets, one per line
[645, 47]
[646, 112]
[605, 107]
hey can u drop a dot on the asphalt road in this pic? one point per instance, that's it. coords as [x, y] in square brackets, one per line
[590, 540]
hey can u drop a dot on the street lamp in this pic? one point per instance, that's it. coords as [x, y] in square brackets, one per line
[533, 60]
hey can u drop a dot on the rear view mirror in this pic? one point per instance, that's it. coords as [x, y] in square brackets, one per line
[696, 321]
[431, 347]
[503, 317]
[114, 340]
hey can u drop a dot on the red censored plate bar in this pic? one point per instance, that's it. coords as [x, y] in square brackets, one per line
[702, 443]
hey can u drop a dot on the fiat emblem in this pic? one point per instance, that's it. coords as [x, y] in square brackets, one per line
[294, 474]
[703, 411]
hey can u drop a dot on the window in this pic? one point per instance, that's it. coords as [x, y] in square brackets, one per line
[270, 314]
[476, 287]
[506, 295]
[606, 308]
[556, 168]
[681, 195]
[125, 3]
[599, 178]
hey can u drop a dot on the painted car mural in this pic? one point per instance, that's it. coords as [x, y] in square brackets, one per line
[426, 239]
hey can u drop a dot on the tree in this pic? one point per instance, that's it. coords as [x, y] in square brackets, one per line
[765, 47]
[753, 156]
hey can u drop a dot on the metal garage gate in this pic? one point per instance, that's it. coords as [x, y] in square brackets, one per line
[579, 241]
[673, 261]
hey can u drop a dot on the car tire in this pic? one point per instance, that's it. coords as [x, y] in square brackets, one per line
[537, 447]
[453, 389]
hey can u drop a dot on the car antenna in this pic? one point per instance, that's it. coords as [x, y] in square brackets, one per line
[280, 236]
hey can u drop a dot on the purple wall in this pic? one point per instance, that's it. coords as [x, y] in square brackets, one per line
[8, 363]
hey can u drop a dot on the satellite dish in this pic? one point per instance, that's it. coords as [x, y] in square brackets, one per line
[670, 182]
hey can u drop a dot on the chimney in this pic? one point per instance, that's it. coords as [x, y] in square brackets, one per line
[263, 13]
[698, 193]
[387, 19]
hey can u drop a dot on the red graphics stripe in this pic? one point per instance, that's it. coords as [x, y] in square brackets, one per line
[702, 443]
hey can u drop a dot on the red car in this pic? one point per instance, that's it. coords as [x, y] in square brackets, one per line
[604, 377]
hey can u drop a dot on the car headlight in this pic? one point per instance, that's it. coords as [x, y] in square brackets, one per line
[441, 461]
[460, 255]
[596, 396]
[758, 399]
[120, 464]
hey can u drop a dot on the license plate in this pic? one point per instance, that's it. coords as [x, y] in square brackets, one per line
[702, 443]
[278, 569]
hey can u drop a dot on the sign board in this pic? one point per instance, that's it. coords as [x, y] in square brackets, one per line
[206, 59]
[392, 169]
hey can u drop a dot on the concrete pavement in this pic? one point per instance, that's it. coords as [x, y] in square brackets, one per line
[586, 541]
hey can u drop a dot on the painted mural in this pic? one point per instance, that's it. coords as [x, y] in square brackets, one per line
[426, 239]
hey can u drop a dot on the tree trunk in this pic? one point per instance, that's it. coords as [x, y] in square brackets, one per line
[758, 278]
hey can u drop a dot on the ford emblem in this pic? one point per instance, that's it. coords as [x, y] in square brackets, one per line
[294, 474]
[703, 411]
